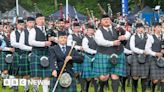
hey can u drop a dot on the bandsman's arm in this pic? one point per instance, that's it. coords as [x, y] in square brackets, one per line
[86, 47]
[69, 43]
[13, 40]
[132, 46]
[22, 43]
[53, 61]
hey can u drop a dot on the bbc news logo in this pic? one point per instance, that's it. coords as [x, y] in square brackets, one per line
[24, 82]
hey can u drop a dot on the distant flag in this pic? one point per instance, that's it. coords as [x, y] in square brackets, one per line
[76, 14]
[67, 10]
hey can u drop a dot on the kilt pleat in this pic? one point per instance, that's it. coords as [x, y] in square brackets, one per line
[128, 67]
[36, 70]
[156, 73]
[78, 67]
[103, 66]
[138, 69]
[15, 65]
[87, 66]
[24, 64]
[3, 64]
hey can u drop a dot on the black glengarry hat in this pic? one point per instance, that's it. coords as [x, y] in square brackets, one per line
[62, 33]
[139, 25]
[39, 15]
[30, 19]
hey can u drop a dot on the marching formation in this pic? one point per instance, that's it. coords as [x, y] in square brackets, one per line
[65, 53]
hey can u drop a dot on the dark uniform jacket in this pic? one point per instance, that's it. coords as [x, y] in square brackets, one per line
[57, 58]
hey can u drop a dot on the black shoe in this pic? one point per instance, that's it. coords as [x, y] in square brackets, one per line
[122, 90]
[3, 87]
[35, 88]
[15, 89]
[27, 91]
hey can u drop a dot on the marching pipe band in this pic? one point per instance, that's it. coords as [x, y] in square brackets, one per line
[105, 50]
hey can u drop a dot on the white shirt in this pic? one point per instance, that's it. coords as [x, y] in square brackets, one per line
[132, 45]
[13, 39]
[127, 51]
[70, 31]
[42, 28]
[149, 43]
[61, 46]
[32, 41]
[22, 42]
[86, 46]
[69, 42]
[3, 44]
[100, 40]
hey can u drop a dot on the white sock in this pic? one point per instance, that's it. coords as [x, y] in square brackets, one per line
[35, 85]
[45, 87]
[2, 75]
[11, 77]
[26, 87]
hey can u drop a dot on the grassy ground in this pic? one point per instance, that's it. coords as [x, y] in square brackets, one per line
[128, 89]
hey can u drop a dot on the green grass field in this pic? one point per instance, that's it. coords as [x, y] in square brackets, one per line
[128, 89]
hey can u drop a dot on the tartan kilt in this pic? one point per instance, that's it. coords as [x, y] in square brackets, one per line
[87, 66]
[71, 88]
[78, 67]
[140, 70]
[120, 68]
[36, 70]
[24, 64]
[3, 64]
[102, 65]
[15, 65]
[156, 73]
[128, 67]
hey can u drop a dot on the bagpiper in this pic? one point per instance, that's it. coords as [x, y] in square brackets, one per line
[155, 48]
[14, 39]
[39, 64]
[77, 36]
[109, 60]
[140, 64]
[89, 45]
[24, 64]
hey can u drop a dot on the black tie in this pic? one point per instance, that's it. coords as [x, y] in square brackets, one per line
[110, 29]
[141, 36]
[63, 50]
[159, 38]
